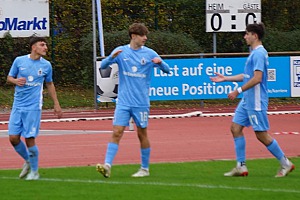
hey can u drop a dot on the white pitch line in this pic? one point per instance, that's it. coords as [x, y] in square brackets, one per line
[225, 187]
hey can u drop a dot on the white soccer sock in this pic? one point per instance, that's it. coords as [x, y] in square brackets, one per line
[284, 161]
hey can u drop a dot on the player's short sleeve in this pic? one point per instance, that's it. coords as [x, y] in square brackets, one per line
[153, 53]
[14, 70]
[258, 61]
[48, 77]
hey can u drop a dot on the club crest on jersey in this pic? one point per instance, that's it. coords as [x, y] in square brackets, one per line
[40, 72]
[143, 61]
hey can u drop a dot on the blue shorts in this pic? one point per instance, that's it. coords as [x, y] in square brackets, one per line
[124, 113]
[257, 119]
[24, 122]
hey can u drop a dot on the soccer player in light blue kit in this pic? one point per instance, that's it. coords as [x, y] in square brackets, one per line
[28, 73]
[136, 63]
[252, 109]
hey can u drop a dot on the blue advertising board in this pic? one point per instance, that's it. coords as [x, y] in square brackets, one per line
[279, 77]
[190, 78]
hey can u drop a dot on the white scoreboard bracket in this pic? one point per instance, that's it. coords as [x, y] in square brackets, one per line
[231, 15]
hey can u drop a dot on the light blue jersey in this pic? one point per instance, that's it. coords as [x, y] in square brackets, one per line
[256, 98]
[29, 96]
[135, 68]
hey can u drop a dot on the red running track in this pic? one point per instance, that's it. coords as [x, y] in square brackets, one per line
[172, 140]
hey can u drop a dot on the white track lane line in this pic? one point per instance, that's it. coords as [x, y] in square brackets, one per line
[3, 133]
[191, 114]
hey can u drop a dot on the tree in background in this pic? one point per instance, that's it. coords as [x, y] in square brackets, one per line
[183, 21]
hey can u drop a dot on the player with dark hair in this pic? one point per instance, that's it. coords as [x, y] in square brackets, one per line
[135, 62]
[28, 73]
[252, 109]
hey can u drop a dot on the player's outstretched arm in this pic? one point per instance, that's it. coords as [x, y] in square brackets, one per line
[161, 64]
[218, 78]
[221, 78]
[116, 53]
[109, 60]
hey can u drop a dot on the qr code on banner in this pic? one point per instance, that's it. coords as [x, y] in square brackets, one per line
[271, 74]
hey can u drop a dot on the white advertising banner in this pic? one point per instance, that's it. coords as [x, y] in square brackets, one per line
[23, 18]
[295, 76]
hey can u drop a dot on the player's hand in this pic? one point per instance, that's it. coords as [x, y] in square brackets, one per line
[58, 111]
[156, 60]
[218, 78]
[233, 95]
[20, 81]
[115, 54]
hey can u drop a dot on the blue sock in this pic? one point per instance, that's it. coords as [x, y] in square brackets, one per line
[145, 156]
[275, 149]
[21, 150]
[240, 148]
[34, 158]
[112, 149]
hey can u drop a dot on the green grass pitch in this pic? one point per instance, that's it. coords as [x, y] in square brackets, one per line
[189, 180]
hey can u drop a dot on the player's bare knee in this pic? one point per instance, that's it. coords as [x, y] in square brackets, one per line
[143, 138]
[234, 130]
[30, 142]
[117, 135]
[264, 137]
[14, 140]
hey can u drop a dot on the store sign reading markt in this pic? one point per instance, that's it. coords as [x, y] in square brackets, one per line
[15, 18]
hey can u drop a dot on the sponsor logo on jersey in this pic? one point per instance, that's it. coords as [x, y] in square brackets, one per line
[30, 78]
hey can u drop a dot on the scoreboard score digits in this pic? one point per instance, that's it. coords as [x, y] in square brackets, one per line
[231, 15]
